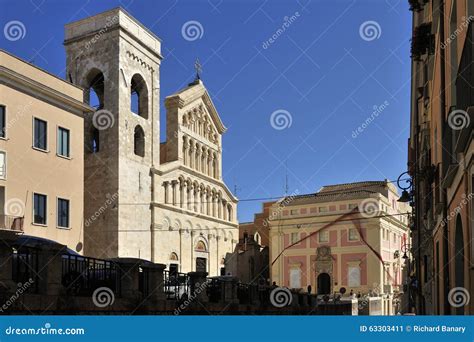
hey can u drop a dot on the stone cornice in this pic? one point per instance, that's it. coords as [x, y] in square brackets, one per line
[12, 78]
[194, 214]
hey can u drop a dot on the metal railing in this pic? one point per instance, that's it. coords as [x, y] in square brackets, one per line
[25, 267]
[82, 275]
[14, 223]
[143, 281]
[176, 284]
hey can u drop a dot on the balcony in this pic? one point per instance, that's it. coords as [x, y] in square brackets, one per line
[11, 223]
[423, 41]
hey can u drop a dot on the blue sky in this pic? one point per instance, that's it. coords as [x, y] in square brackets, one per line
[322, 71]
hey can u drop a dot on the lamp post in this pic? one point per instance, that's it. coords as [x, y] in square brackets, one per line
[406, 248]
[405, 183]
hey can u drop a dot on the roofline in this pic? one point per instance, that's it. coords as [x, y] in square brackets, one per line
[41, 69]
[120, 8]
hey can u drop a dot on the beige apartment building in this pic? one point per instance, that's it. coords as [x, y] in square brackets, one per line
[41, 153]
[348, 235]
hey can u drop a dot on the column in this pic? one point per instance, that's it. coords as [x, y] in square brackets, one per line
[191, 155]
[219, 207]
[174, 190]
[196, 204]
[209, 165]
[182, 189]
[198, 159]
[224, 206]
[165, 186]
[185, 151]
[213, 205]
[189, 197]
[203, 201]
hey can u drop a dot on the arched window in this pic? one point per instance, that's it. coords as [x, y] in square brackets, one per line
[94, 96]
[200, 247]
[174, 257]
[95, 143]
[139, 96]
[139, 142]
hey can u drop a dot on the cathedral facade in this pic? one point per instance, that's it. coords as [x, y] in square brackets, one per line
[161, 201]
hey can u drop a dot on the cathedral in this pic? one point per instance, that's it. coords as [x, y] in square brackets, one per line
[163, 201]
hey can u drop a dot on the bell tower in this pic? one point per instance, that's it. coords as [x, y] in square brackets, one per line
[116, 60]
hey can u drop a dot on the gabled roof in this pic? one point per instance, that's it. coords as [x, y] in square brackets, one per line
[191, 93]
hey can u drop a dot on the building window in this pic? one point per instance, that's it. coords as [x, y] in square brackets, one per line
[352, 205]
[323, 209]
[40, 134]
[139, 142]
[139, 96]
[39, 209]
[353, 276]
[353, 235]
[294, 212]
[95, 143]
[3, 113]
[323, 236]
[63, 213]
[295, 278]
[295, 237]
[173, 270]
[63, 142]
[3, 165]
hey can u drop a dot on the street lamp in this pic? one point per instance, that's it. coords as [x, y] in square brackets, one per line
[407, 196]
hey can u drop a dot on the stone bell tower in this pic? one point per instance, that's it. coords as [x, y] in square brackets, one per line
[116, 60]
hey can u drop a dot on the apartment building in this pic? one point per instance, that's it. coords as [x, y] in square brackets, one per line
[441, 154]
[41, 153]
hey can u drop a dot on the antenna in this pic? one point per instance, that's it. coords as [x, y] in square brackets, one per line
[286, 179]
